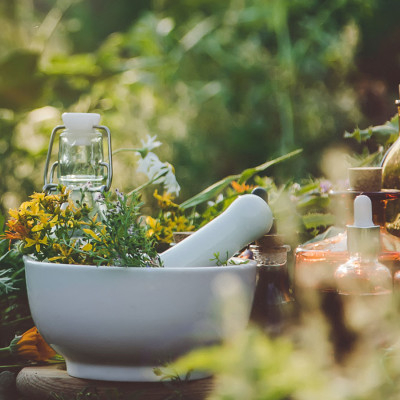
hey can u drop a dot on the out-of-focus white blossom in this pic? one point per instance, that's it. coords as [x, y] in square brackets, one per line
[159, 172]
[151, 143]
[170, 183]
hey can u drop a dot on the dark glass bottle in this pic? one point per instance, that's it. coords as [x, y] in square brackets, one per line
[391, 162]
[273, 304]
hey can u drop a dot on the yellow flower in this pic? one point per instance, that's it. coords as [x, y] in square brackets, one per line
[38, 196]
[25, 206]
[31, 346]
[183, 224]
[165, 200]
[92, 234]
[64, 250]
[14, 213]
[93, 222]
[43, 222]
[36, 241]
[31, 208]
[87, 247]
[155, 227]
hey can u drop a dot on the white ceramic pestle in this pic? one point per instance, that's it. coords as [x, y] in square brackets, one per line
[245, 220]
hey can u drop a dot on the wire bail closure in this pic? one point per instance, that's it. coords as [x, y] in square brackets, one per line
[50, 186]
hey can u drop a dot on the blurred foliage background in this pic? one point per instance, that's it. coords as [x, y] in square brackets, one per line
[224, 85]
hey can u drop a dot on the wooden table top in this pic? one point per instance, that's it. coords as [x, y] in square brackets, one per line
[53, 382]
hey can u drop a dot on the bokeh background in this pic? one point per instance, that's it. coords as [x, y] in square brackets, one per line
[225, 85]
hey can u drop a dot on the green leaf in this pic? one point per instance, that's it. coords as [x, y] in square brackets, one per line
[2, 222]
[312, 201]
[330, 232]
[78, 64]
[316, 220]
[310, 187]
[250, 172]
[6, 283]
[216, 188]
[385, 133]
[215, 210]
[209, 193]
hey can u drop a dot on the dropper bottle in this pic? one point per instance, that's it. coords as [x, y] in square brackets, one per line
[363, 274]
[317, 260]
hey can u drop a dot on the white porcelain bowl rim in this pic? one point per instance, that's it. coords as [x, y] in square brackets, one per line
[241, 263]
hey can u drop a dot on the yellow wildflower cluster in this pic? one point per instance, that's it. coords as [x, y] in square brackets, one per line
[165, 201]
[57, 229]
[170, 219]
[46, 224]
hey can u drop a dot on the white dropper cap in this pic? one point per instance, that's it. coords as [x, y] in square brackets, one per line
[82, 122]
[363, 236]
[363, 212]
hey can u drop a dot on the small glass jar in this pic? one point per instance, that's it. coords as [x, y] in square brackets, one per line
[80, 155]
[273, 304]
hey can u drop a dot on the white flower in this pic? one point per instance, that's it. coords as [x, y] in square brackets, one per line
[150, 165]
[151, 143]
[159, 172]
[170, 183]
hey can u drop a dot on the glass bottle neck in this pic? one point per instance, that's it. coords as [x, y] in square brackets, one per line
[365, 257]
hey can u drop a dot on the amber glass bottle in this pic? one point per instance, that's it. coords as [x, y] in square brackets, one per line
[391, 163]
[273, 305]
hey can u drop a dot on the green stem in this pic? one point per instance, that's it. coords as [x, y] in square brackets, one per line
[16, 273]
[142, 152]
[148, 183]
[16, 321]
[12, 366]
[5, 351]
[5, 255]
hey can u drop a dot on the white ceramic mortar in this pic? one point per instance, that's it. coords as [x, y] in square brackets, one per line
[116, 323]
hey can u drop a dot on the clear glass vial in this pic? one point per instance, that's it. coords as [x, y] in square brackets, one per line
[362, 273]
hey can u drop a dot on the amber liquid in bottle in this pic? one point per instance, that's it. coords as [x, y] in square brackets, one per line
[315, 263]
[315, 269]
[273, 304]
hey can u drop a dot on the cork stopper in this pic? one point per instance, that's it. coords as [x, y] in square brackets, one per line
[365, 179]
[179, 236]
[270, 250]
[270, 243]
